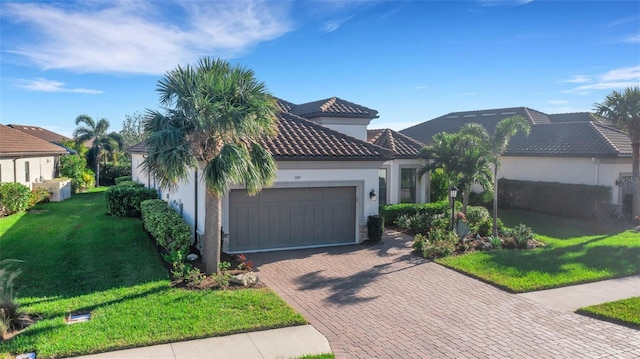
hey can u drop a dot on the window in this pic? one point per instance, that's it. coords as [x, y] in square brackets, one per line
[408, 185]
[27, 177]
[382, 186]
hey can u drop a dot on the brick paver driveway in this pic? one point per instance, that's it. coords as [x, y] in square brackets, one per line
[383, 302]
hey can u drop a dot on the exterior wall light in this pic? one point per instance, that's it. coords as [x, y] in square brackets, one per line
[373, 195]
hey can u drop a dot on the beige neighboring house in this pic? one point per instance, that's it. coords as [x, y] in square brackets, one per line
[327, 181]
[27, 159]
[571, 148]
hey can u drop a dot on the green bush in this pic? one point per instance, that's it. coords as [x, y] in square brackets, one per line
[109, 173]
[129, 184]
[14, 197]
[118, 180]
[391, 212]
[39, 195]
[165, 225]
[74, 167]
[375, 228]
[566, 200]
[477, 214]
[521, 234]
[485, 228]
[437, 243]
[124, 200]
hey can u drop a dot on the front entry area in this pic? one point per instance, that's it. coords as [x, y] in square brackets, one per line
[279, 218]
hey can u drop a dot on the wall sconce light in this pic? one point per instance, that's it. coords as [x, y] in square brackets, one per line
[373, 194]
[618, 182]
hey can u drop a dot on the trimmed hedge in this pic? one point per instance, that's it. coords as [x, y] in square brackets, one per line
[566, 200]
[14, 197]
[391, 212]
[124, 200]
[122, 179]
[166, 226]
[109, 173]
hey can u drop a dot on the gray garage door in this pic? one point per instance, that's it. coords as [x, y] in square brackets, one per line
[291, 217]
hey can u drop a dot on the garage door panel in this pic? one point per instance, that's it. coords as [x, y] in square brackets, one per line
[291, 217]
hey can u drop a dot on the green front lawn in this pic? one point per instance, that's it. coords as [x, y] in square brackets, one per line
[78, 259]
[566, 260]
[626, 311]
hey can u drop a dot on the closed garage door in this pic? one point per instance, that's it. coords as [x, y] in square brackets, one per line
[291, 217]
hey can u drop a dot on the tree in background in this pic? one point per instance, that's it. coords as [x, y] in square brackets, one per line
[623, 110]
[132, 131]
[216, 117]
[95, 133]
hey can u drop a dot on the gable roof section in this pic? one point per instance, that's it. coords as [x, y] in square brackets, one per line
[572, 117]
[301, 139]
[283, 105]
[18, 143]
[40, 133]
[452, 122]
[571, 139]
[333, 107]
[401, 146]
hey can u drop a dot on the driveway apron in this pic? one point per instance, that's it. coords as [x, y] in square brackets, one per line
[381, 301]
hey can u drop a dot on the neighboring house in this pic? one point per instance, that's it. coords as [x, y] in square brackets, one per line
[398, 178]
[27, 159]
[326, 185]
[566, 148]
[41, 133]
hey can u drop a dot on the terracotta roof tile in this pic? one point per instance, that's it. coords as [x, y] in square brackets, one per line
[401, 146]
[572, 117]
[333, 107]
[14, 142]
[40, 133]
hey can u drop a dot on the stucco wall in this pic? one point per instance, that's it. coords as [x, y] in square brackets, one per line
[578, 170]
[393, 180]
[38, 167]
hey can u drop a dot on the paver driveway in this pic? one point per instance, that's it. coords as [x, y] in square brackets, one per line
[383, 302]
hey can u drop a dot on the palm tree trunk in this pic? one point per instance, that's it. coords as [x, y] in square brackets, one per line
[465, 199]
[211, 242]
[494, 232]
[635, 148]
[98, 168]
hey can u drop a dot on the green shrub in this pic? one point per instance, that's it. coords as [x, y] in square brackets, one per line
[14, 197]
[485, 228]
[419, 242]
[180, 270]
[122, 179]
[129, 184]
[11, 316]
[440, 243]
[391, 212]
[521, 234]
[477, 214]
[39, 195]
[375, 228]
[124, 200]
[165, 225]
[109, 173]
[74, 167]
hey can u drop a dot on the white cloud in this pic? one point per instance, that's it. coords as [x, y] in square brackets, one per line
[578, 79]
[142, 36]
[44, 85]
[503, 2]
[633, 39]
[611, 80]
[421, 87]
[333, 25]
[558, 102]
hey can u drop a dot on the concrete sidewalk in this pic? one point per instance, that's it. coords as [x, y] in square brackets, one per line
[571, 298]
[291, 342]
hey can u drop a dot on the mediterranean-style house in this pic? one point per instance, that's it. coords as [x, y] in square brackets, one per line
[573, 148]
[328, 181]
[27, 159]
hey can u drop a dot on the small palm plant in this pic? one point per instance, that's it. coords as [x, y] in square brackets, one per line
[11, 317]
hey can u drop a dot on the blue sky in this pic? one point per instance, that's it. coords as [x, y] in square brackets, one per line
[411, 61]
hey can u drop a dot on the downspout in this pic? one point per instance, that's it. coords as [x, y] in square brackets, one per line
[15, 171]
[596, 170]
[195, 207]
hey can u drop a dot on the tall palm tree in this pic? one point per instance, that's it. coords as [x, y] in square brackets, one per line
[496, 144]
[623, 110]
[95, 132]
[216, 117]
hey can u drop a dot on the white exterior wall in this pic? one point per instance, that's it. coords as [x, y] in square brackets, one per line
[393, 180]
[576, 170]
[39, 168]
[291, 174]
[354, 127]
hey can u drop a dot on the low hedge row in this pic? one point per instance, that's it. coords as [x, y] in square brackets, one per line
[165, 225]
[391, 212]
[124, 199]
[567, 200]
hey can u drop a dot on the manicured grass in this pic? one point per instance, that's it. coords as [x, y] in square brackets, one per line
[77, 259]
[626, 312]
[318, 356]
[564, 261]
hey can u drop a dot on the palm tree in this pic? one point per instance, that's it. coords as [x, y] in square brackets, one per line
[94, 132]
[496, 144]
[442, 153]
[216, 117]
[623, 110]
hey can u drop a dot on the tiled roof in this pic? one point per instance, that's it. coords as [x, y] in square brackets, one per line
[301, 139]
[572, 117]
[401, 146]
[452, 122]
[284, 106]
[333, 107]
[16, 142]
[41, 133]
[571, 139]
